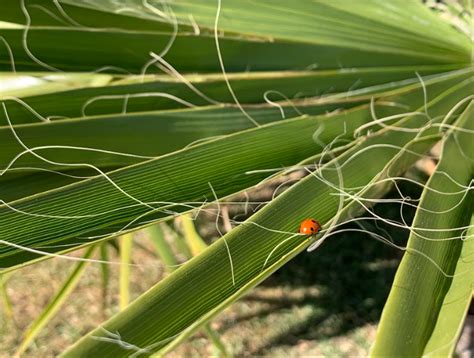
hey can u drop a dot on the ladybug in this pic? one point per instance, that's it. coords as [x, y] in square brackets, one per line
[309, 227]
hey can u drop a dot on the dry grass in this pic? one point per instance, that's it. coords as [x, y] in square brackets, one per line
[326, 303]
[275, 319]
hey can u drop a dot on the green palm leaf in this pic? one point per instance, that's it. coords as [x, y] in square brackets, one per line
[433, 286]
[254, 249]
[353, 94]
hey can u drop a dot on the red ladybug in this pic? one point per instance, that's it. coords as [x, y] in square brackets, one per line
[309, 227]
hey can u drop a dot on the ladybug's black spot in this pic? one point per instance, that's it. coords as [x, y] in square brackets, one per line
[312, 229]
[314, 221]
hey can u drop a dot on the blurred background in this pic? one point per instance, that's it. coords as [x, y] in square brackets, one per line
[324, 303]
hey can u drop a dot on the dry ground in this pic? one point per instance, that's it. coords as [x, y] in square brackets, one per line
[326, 303]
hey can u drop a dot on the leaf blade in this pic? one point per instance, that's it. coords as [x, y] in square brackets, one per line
[423, 288]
